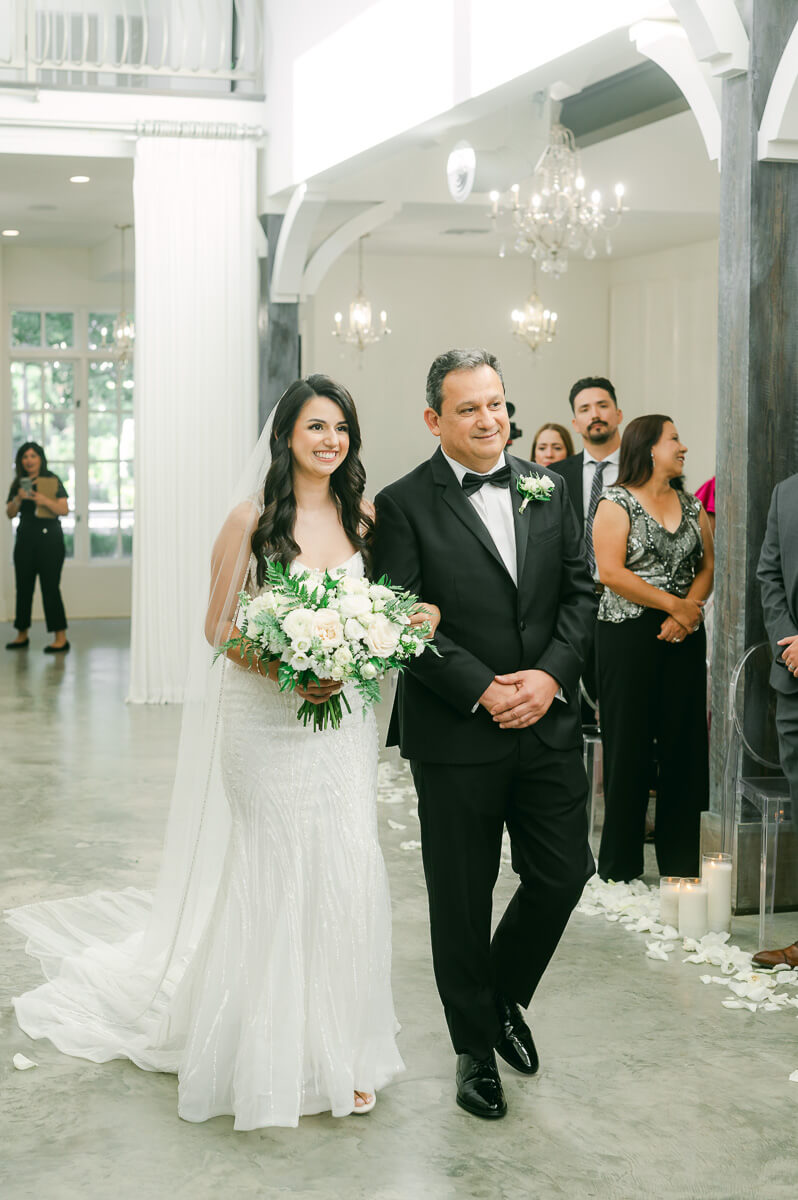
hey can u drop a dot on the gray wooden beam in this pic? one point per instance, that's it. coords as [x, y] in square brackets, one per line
[757, 408]
[278, 333]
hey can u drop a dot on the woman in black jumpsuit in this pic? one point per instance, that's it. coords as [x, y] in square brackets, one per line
[39, 548]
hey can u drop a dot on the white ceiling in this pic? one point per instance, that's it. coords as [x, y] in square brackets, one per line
[37, 198]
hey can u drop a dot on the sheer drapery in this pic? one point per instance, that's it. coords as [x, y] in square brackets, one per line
[196, 382]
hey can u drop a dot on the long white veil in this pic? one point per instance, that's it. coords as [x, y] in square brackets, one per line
[113, 961]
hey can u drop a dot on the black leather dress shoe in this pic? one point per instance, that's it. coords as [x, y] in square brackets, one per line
[18, 645]
[515, 1043]
[64, 649]
[479, 1089]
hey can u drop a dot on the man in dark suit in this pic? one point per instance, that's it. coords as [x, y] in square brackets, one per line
[778, 578]
[596, 418]
[492, 727]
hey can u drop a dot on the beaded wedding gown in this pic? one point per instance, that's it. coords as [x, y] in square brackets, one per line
[283, 1006]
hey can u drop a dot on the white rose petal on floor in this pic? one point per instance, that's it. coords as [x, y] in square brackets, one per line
[635, 907]
[22, 1063]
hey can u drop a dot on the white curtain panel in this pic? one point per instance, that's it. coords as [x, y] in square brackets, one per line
[196, 383]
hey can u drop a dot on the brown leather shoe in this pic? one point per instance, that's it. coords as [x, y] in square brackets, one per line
[774, 958]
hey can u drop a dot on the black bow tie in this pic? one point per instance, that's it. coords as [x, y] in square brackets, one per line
[472, 483]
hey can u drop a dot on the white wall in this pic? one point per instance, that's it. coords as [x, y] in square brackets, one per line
[54, 278]
[434, 304]
[663, 318]
[649, 323]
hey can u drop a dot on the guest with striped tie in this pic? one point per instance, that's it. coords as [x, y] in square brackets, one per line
[654, 552]
[596, 419]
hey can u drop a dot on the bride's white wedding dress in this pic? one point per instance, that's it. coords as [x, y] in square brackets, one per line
[284, 1007]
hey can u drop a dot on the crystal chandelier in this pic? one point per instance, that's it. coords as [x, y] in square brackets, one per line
[124, 331]
[559, 216]
[360, 332]
[534, 324]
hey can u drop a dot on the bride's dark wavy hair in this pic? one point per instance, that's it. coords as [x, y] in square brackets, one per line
[274, 534]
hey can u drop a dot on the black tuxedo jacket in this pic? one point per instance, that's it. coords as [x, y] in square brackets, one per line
[571, 470]
[778, 578]
[430, 540]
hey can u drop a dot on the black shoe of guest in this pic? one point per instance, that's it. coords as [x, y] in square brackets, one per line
[57, 649]
[479, 1088]
[18, 645]
[515, 1044]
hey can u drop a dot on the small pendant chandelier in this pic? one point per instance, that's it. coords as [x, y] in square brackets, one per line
[124, 332]
[361, 331]
[534, 324]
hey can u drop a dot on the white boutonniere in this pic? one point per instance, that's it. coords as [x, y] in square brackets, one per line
[534, 487]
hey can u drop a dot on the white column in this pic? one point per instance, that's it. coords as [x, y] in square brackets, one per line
[196, 382]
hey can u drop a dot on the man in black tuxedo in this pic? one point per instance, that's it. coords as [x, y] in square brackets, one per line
[492, 727]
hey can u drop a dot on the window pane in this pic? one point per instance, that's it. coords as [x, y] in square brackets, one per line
[103, 534]
[17, 385]
[103, 485]
[126, 395]
[103, 435]
[127, 534]
[59, 329]
[26, 427]
[126, 491]
[59, 435]
[68, 527]
[66, 473]
[26, 329]
[126, 439]
[26, 385]
[59, 384]
[102, 386]
[101, 326]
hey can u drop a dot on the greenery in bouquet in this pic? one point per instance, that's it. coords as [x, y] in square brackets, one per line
[323, 625]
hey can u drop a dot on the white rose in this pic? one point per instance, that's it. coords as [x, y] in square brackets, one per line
[261, 604]
[382, 637]
[350, 586]
[354, 604]
[354, 631]
[378, 591]
[342, 656]
[327, 627]
[378, 605]
[368, 671]
[298, 623]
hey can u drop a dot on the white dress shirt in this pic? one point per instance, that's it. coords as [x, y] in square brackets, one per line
[589, 464]
[494, 507]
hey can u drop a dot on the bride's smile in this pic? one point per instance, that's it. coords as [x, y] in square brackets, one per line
[320, 439]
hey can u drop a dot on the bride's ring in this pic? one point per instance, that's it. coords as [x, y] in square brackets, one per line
[677, 639]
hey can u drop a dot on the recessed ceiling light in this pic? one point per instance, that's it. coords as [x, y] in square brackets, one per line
[79, 179]
[10, 232]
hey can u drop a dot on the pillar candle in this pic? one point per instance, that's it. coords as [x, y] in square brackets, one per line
[692, 908]
[669, 900]
[716, 874]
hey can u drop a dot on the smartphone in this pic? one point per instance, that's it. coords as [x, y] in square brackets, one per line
[26, 483]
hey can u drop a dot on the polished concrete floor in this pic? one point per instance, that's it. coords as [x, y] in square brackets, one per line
[648, 1087]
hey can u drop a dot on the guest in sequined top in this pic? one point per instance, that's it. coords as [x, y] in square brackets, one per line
[655, 557]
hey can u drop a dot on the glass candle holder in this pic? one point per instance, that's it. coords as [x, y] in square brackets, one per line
[692, 908]
[716, 874]
[669, 886]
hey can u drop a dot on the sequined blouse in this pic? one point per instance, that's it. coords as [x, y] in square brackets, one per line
[669, 561]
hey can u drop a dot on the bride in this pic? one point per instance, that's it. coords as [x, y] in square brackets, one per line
[260, 970]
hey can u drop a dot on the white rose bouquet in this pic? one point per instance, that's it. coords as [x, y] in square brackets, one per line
[325, 625]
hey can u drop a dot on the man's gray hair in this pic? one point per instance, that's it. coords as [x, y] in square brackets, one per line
[456, 360]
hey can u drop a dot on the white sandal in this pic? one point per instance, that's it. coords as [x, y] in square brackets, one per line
[359, 1109]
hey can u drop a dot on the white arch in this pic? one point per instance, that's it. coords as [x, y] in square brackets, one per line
[717, 34]
[342, 239]
[778, 131]
[667, 44]
[291, 251]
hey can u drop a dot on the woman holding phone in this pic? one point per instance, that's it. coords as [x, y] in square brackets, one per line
[39, 499]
